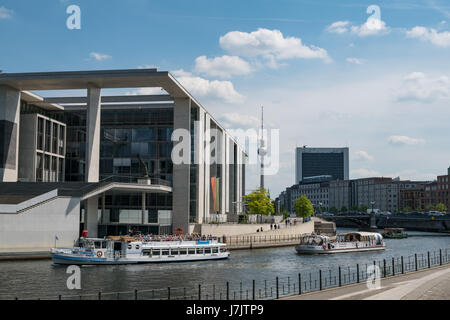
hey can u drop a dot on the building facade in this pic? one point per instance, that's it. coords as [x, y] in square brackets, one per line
[123, 146]
[312, 162]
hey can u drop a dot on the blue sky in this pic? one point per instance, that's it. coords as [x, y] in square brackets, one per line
[325, 75]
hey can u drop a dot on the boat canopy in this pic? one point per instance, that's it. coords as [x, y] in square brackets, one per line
[359, 236]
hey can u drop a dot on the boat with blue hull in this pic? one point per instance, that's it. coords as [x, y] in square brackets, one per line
[126, 250]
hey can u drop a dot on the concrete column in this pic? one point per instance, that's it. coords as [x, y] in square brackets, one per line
[93, 134]
[91, 218]
[228, 209]
[223, 157]
[200, 156]
[181, 172]
[238, 180]
[143, 208]
[207, 180]
[9, 134]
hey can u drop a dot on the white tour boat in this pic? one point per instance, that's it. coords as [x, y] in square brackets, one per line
[345, 242]
[125, 250]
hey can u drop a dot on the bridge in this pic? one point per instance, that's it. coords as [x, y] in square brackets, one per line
[416, 223]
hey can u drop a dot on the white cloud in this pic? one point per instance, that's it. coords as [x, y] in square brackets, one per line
[99, 56]
[373, 26]
[338, 27]
[214, 89]
[405, 140]
[271, 45]
[440, 39]
[222, 67]
[363, 156]
[5, 13]
[419, 87]
[355, 60]
[364, 173]
[239, 121]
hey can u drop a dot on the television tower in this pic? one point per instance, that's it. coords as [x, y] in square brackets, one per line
[262, 148]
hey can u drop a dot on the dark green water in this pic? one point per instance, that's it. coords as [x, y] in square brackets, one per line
[41, 279]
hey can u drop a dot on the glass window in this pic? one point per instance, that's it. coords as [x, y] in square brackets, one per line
[40, 136]
[183, 251]
[200, 251]
[156, 252]
[208, 250]
[62, 133]
[191, 251]
[174, 252]
[39, 167]
[165, 252]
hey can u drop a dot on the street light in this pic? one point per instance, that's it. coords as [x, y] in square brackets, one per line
[372, 203]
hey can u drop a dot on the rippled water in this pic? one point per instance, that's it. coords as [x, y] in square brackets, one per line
[41, 279]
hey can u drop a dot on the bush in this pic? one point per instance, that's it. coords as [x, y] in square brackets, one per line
[243, 218]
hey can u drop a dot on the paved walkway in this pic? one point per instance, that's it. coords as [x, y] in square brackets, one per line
[428, 284]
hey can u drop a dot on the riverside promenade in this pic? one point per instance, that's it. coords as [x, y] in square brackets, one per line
[426, 284]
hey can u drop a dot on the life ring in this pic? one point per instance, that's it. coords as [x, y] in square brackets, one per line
[324, 247]
[99, 254]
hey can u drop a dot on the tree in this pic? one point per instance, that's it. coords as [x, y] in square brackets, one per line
[333, 210]
[354, 208]
[441, 207]
[363, 209]
[258, 202]
[344, 209]
[303, 207]
[406, 210]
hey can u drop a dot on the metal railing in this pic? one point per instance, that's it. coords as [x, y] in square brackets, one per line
[134, 179]
[277, 287]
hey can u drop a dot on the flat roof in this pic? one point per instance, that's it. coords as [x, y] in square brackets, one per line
[72, 80]
[107, 79]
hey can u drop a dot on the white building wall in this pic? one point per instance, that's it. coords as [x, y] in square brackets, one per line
[37, 227]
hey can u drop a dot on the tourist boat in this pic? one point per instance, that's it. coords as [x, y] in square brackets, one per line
[126, 250]
[344, 242]
[394, 233]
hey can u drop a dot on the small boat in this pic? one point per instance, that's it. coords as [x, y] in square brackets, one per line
[127, 250]
[394, 233]
[344, 242]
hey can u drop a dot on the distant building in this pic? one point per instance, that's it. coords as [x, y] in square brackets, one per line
[313, 162]
[438, 192]
[316, 189]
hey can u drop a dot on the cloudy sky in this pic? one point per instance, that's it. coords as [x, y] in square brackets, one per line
[328, 73]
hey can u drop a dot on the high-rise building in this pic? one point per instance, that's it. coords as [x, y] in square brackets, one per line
[312, 162]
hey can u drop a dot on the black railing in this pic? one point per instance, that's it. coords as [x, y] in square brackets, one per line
[134, 179]
[278, 287]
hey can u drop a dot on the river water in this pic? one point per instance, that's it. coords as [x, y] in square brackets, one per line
[43, 280]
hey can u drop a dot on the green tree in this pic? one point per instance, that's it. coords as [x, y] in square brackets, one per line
[344, 209]
[258, 202]
[441, 207]
[303, 207]
[363, 209]
[333, 210]
[354, 208]
[407, 209]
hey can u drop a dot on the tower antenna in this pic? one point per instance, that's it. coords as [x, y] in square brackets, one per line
[262, 148]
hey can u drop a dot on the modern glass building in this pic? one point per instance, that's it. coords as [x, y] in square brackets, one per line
[312, 162]
[117, 150]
